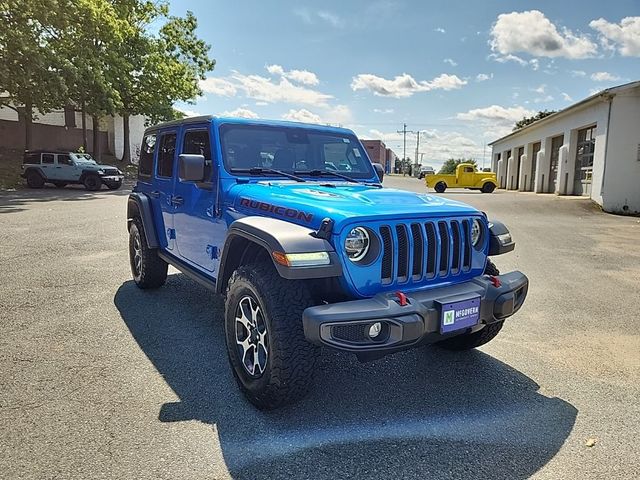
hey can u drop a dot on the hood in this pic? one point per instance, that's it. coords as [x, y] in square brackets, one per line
[310, 202]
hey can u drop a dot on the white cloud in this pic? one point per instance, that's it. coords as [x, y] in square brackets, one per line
[578, 73]
[450, 61]
[218, 86]
[440, 30]
[533, 33]
[300, 76]
[496, 114]
[335, 115]
[508, 58]
[265, 89]
[625, 36]
[567, 97]
[404, 85]
[482, 77]
[383, 110]
[604, 77]
[302, 115]
[187, 112]
[322, 16]
[545, 99]
[240, 112]
[262, 104]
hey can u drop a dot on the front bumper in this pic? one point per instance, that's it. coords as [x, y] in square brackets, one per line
[112, 178]
[344, 325]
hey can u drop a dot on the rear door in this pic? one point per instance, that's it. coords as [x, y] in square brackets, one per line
[48, 165]
[199, 232]
[162, 185]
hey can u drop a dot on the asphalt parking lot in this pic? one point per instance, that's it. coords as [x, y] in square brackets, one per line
[101, 380]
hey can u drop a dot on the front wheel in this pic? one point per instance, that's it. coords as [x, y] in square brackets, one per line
[467, 341]
[114, 185]
[270, 357]
[488, 187]
[440, 187]
[92, 183]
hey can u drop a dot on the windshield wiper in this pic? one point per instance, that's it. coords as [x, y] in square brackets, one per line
[261, 170]
[319, 173]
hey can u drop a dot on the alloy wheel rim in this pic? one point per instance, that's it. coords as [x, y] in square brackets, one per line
[137, 254]
[251, 336]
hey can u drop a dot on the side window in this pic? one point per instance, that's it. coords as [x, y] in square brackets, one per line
[47, 158]
[32, 158]
[197, 142]
[64, 159]
[166, 154]
[145, 165]
[468, 169]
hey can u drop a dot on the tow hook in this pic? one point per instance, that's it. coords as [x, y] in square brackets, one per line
[495, 281]
[402, 299]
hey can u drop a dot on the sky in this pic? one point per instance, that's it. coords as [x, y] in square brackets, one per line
[460, 73]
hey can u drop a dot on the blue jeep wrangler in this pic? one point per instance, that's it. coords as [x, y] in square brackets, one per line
[291, 224]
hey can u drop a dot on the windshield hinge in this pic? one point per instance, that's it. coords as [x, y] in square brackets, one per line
[325, 230]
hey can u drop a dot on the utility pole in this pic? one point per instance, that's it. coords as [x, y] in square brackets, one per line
[417, 144]
[404, 148]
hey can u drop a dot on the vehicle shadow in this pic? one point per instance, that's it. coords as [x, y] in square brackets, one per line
[424, 412]
[12, 201]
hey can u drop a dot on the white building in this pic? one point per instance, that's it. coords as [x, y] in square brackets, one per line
[69, 131]
[591, 148]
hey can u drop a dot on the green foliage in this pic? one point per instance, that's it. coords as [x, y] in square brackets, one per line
[528, 120]
[124, 57]
[449, 166]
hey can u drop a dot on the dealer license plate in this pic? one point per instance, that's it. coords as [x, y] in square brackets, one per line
[458, 315]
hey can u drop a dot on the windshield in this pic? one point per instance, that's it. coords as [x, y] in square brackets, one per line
[293, 150]
[83, 158]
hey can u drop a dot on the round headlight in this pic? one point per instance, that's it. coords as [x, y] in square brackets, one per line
[357, 244]
[476, 232]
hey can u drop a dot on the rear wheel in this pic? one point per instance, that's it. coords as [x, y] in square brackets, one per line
[488, 187]
[468, 341]
[270, 357]
[92, 182]
[440, 187]
[147, 268]
[35, 179]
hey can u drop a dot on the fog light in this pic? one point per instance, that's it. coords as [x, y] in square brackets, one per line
[375, 329]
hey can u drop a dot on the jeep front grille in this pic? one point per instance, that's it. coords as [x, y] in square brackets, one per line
[425, 250]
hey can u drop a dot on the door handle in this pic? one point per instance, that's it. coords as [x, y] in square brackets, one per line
[177, 200]
[155, 194]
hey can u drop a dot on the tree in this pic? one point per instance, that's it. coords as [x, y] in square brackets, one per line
[529, 120]
[449, 166]
[160, 69]
[32, 72]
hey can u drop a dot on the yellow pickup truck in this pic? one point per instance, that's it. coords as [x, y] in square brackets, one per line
[465, 177]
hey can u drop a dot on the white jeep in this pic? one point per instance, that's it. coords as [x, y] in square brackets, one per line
[62, 167]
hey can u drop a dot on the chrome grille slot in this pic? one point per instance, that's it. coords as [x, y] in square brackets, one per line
[418, 251]
[455, 259]
[387, 255]
[403, 252]
[443, 231]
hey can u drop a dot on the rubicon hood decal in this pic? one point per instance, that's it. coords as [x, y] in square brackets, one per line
[276, 210]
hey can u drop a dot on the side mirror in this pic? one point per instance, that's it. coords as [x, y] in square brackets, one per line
[379, 170]
[191, 167]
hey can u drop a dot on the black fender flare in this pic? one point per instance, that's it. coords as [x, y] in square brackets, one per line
[500, 240]
[140, 205]
[85, 173]
[34, 169]
[276, 235]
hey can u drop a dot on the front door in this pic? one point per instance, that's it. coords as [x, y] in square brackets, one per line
[556, 143]
[199, 231]
[534, 164]
[65, 168]
[162, 192]
[584, 161]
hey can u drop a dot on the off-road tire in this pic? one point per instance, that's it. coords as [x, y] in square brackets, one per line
[468, 341]
[114, 186]
[60, 184]
[34, 179]
[152, 270]
[440, 187]
[93, 183]
[291, 359]
[488, 187]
